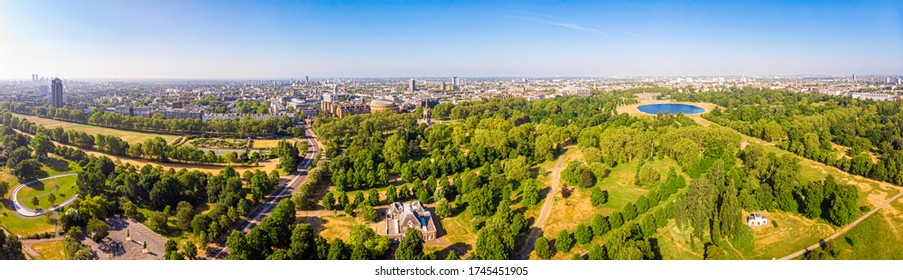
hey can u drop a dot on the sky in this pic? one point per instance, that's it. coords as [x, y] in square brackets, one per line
[187, 39]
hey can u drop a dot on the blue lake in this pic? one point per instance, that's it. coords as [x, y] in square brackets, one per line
[670, 108]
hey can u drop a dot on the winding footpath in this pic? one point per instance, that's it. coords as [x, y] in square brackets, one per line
[23, 211]
[536, 231]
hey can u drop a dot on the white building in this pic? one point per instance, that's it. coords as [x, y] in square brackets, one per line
[756, 220]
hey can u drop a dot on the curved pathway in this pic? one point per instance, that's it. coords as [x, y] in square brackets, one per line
[28, 212]
[536, 231]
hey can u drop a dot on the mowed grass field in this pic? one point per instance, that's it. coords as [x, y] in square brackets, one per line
[128, 136]
[63, 188]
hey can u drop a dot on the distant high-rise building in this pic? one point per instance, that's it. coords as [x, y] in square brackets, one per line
[454, 82]
[887, 80]
[335, 89]
[44, 90]
[34, 77]
[56, 98]
[899, 81]
[306, 80]
[413, 86]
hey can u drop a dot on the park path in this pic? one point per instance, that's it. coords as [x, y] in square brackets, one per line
[842, 230]
[23, 211]
[536, 231]
[220, 249]
[30, 252]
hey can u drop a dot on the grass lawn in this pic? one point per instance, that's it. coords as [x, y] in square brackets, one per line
[330, 227]
[23, 226]
[128, 136]
[270, 143]
[876, 238]
[51, 250]
[459, 232]
[63, 188]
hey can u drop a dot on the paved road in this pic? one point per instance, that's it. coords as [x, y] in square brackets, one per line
[536, 231]
[842, 230]
[221, 250]
[23, 211]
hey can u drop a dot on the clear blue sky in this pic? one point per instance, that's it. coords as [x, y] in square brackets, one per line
[284, 39]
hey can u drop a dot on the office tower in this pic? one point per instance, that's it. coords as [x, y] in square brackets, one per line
[454, 82]
[306, 80]
[413, 86]
[56, 98]
[335, 89]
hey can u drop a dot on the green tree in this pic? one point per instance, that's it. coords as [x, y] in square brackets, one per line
[51, 198]
[598, 252]
[370, 214]
[517, 169]
[191, 250]
[97, 229]
[41, 145]
[587, 179]
[452, 256]
[583, 234]
[443, 208]
[564, 241]
[411, 246]
[184, 215]
[844, 206]
[542, 248]
[327, 201]
[530, 194]
[598, 197]
[303, 242]
[494, 242]
[337, 250]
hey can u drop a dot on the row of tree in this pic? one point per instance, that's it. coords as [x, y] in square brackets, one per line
[244, 127]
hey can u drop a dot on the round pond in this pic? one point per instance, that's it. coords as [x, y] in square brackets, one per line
[670, 108]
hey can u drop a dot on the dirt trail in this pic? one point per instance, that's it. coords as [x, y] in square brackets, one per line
[536, 231]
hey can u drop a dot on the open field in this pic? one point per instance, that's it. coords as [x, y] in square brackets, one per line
[54, 250]
[877, 237]
[128, 136]
[270, 143]
[459, 232]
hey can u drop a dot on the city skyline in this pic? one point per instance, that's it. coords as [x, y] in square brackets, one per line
[271, 40]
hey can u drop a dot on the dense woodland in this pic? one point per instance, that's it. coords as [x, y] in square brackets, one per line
[240, 128]
[811, 124]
